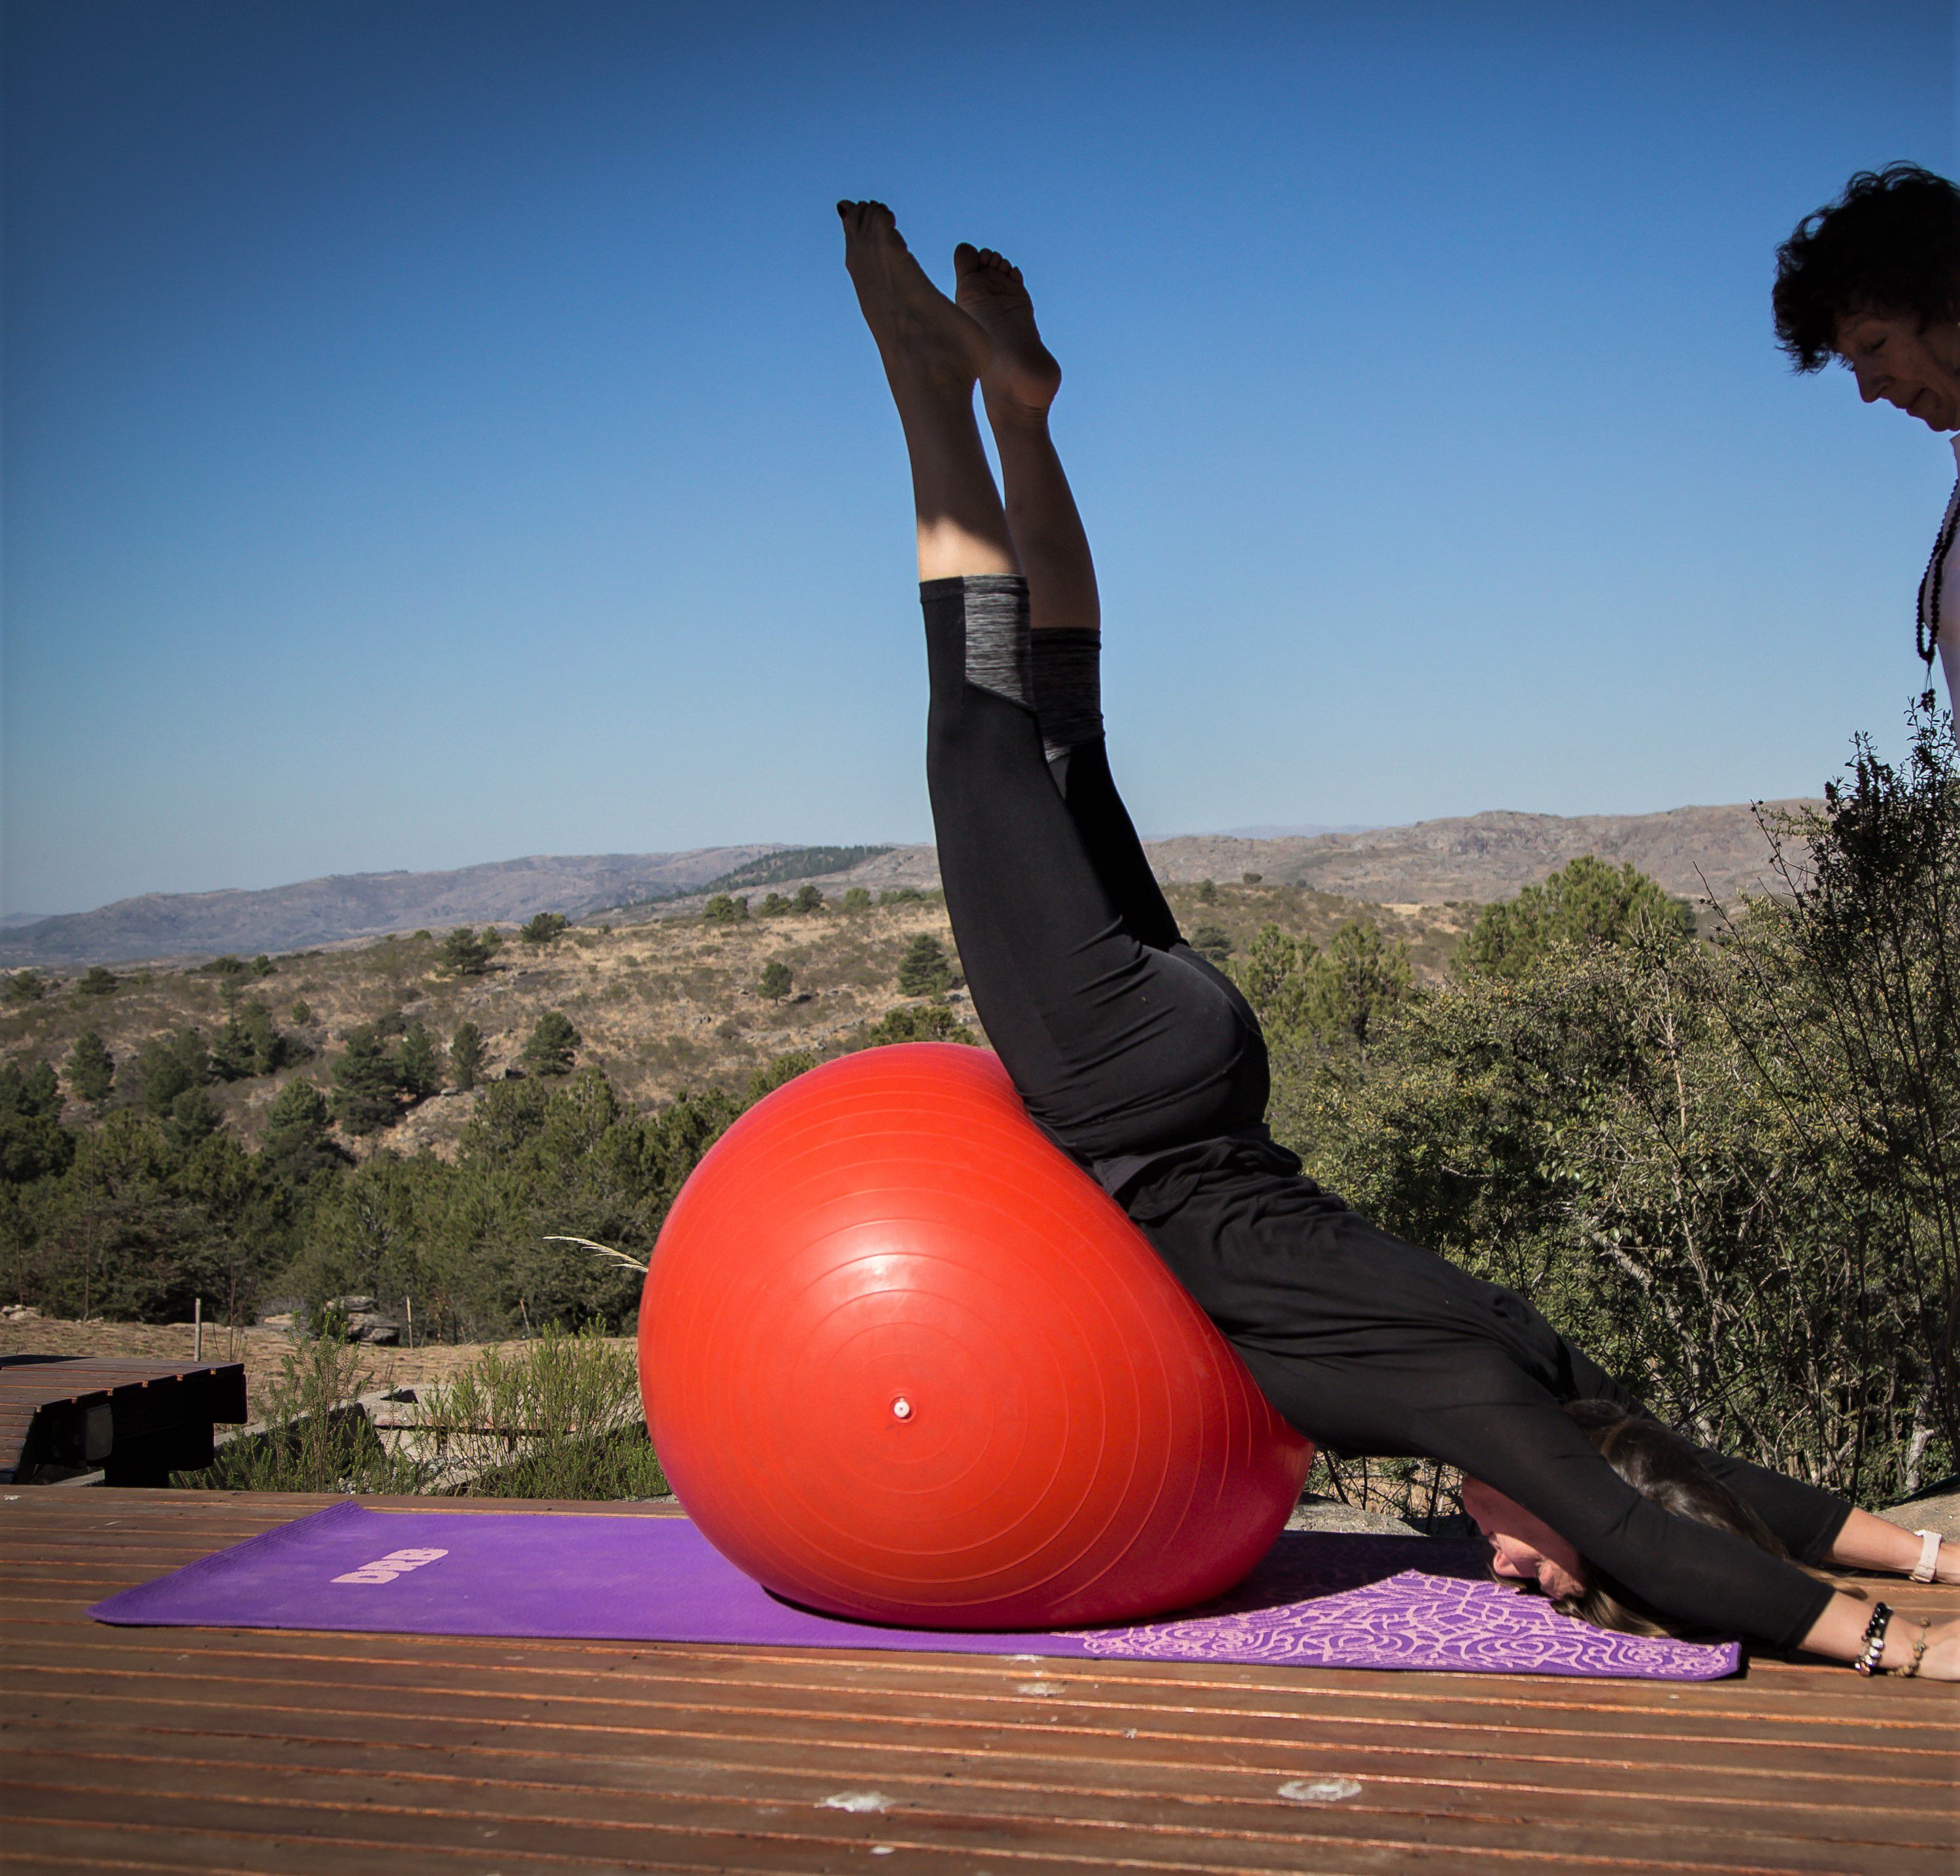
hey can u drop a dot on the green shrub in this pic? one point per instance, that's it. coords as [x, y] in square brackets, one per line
[916, 1022]
[1722, 1169]
[556, 1417]
[313, 1439]
[1586, 902]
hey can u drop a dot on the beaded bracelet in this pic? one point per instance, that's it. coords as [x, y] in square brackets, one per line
[1919, 1647]
[1874, 1639]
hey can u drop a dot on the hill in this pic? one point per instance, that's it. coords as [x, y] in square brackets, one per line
[346, 905]
[1474, 857]
[672, 1004]
[1693, 851]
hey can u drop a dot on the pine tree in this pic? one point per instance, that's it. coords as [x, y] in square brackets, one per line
[1213, 942]
[33, 1140]
[809, 899]
[777, 981]
[166, 1065]
[91, 1069]
[1354, 982]
[923, 971]
[194, 1117]
[552, 1046]
[1275, 974]
[464, 954]
[543, 929]
[418, 1063]
[97, 983]
[296, 1148]
[466, 1055]
[249, 1045]
[365, 1084]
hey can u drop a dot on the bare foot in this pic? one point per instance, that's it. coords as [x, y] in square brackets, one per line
[1024, 371]
[923, 338]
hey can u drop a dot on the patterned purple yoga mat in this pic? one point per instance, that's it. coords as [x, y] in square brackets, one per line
[1317, 1600]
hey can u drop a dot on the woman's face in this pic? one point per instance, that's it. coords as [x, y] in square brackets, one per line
[1522, 1548]
[1892, 359]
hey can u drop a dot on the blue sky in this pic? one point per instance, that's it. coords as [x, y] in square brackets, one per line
[439, 432]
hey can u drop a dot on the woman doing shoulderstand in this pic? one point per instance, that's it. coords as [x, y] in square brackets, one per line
[1145, 1063]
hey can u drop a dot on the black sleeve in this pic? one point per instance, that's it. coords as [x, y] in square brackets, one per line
[1505, 1429]
[1804, 1518]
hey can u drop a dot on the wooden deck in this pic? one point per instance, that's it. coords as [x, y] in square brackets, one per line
[232, 1751]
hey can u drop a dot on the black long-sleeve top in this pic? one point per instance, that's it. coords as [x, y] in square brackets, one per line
[1376, 1347]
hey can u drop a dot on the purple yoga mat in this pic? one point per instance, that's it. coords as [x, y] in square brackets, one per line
[1317, 1600]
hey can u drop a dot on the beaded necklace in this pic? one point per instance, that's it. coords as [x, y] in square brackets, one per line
[1927, 625]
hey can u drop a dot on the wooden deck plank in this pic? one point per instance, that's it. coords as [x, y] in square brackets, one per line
[647, 1697]
[233, 1750]
[1802, 1696]
[1142, 1795]
[793, 1834]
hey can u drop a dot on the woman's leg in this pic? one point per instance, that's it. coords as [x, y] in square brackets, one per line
[933, 354]
[1116, 1047]
[1065, 612]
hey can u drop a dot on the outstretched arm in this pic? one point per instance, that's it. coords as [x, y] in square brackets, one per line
[1516, 1438]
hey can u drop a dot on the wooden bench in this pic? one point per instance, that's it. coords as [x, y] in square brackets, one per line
[139, 1422]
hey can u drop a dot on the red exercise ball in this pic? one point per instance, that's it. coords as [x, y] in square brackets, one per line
[904, 1361]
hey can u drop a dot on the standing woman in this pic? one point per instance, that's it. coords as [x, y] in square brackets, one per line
[1874, 279]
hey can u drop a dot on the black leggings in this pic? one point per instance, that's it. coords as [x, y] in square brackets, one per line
[1142, 1060]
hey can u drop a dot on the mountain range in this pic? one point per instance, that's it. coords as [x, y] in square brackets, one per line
[1695, 852]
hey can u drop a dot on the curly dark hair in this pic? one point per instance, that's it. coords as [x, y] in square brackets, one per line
[1890, 243]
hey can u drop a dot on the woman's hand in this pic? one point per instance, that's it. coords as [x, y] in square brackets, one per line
[1839, 1633]
[1941, 1661]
